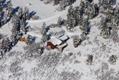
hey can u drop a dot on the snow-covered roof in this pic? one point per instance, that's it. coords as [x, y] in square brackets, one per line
[65, 37]
[55, 41]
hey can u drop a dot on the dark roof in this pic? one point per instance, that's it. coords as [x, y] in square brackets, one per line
[51, 45]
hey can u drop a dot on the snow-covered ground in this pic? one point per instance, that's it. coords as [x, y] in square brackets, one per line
[43, 11]
[6, 29]
[54, 65]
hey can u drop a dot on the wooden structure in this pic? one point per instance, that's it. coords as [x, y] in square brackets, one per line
[50, 45]
[23, 39]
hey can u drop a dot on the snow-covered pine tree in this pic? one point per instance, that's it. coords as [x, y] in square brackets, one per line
[10, 8]
[105, 29]
[22, 26]
[6, 44]
[90, 59]
[56, 2]
[30, 39]
[85, 26]
[43, 30]
[76, 41]
[64, 3]
[112, 59]
[20, 12]
[26, 15]
[47, 1]
[78, 15]
[89, 1]
[71, 21]
[60, 22]
[96, 9]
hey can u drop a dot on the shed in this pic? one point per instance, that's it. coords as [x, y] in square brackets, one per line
[64, 38]
[23, 39]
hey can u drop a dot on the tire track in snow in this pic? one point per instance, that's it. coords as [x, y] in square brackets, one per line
[47, 19]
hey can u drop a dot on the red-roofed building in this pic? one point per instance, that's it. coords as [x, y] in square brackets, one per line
[50, 45]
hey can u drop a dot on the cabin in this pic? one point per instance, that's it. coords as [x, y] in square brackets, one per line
[55, 43]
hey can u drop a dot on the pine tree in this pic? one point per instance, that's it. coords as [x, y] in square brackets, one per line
[76, 41]
[10, 4]
[10, 9]
[56, 2]
[26, 13]
[112, 59]
[62, 4]
[90, 1]
[60, 22]
[96, 9]
[20, 12]
[71, 11]
[30, 39]
[86, 25]
[77, 15]
[43, 31]
[105, 30]
[6, 44]
[22, 26]
[90, 59]
[47, 1]
[71, 21]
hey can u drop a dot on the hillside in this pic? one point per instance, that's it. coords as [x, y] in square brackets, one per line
[40, 40]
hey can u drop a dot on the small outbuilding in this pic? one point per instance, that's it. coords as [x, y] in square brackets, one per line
[23, 39]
